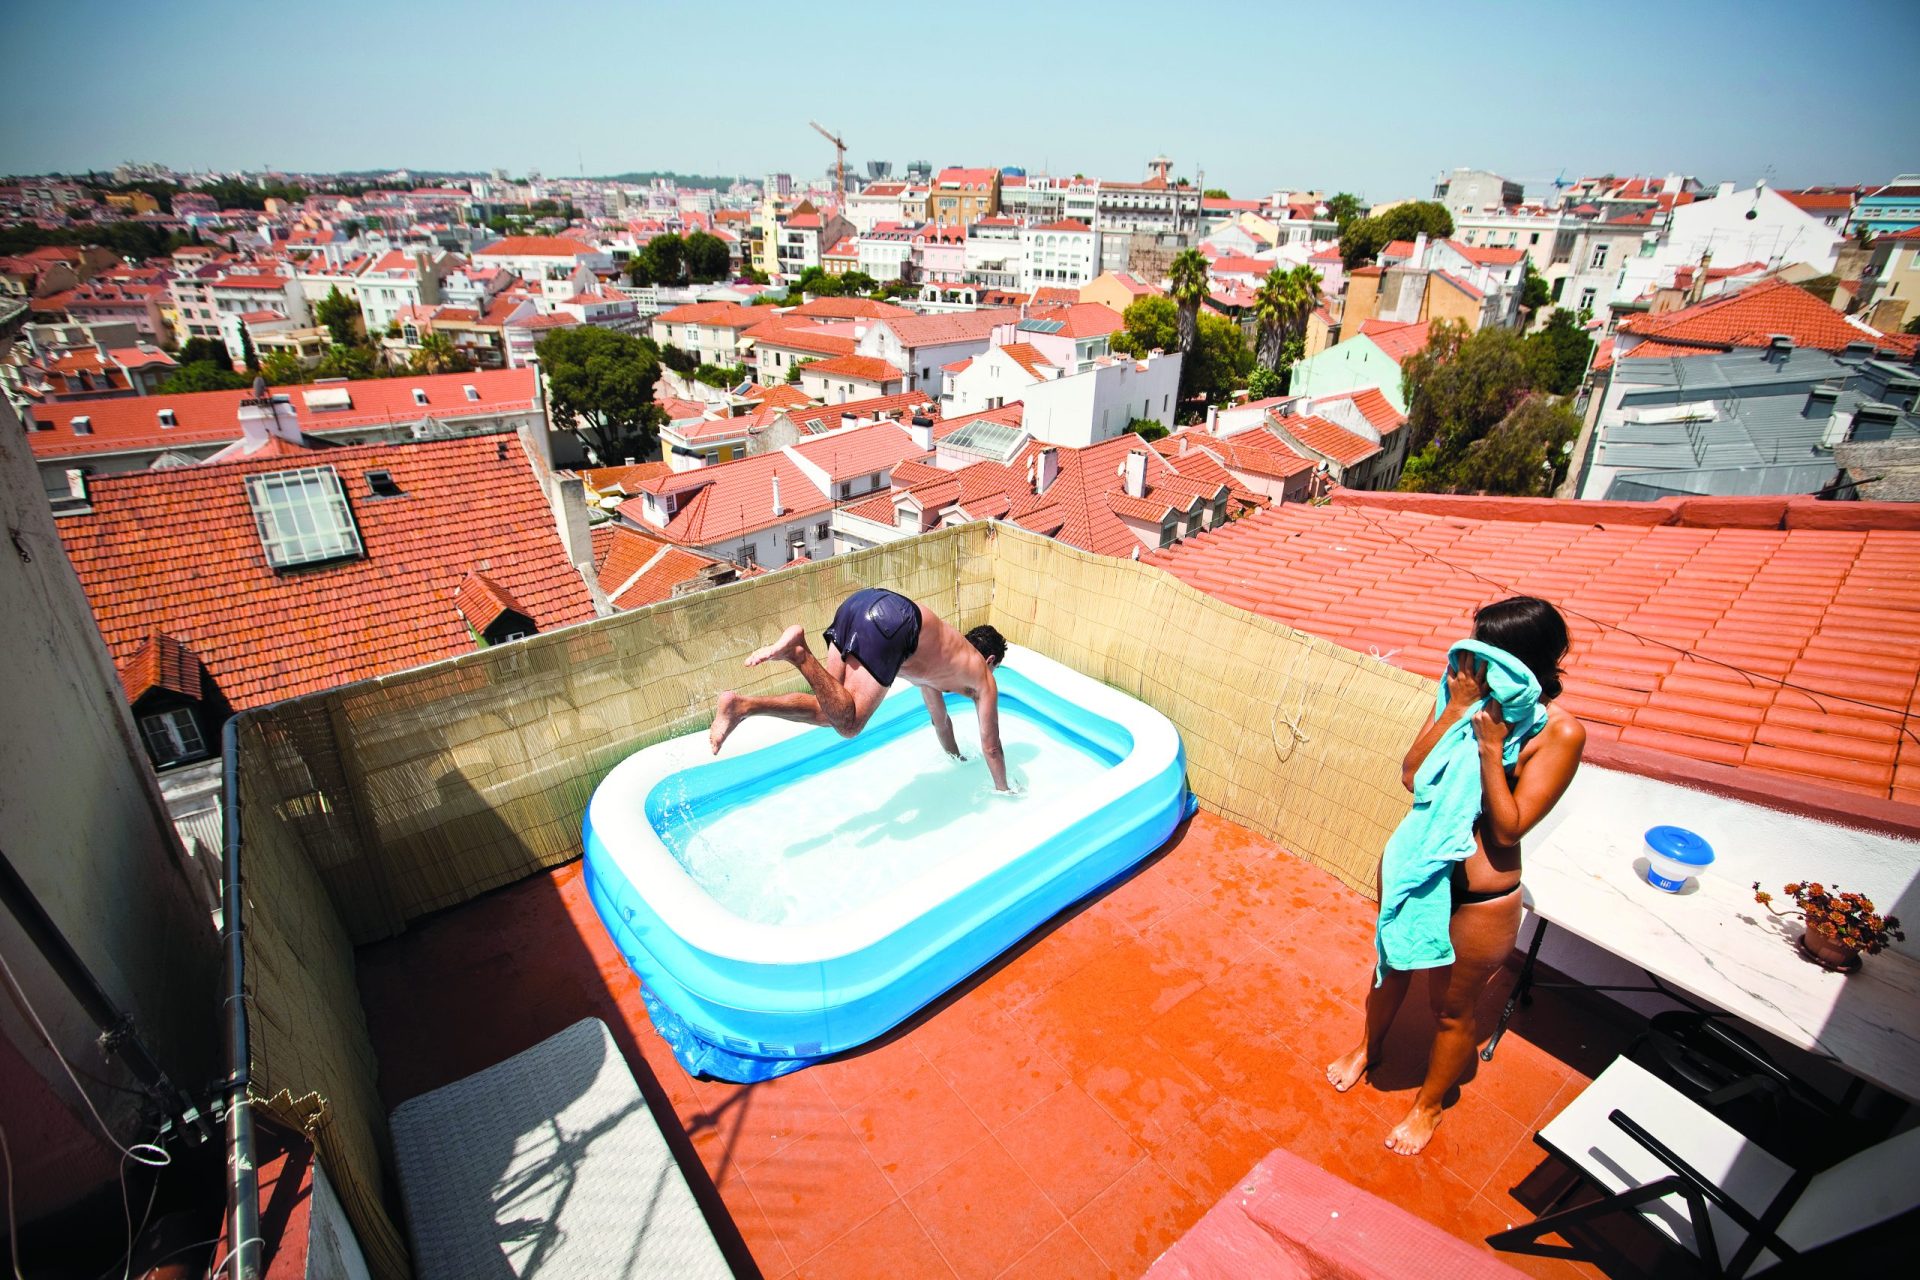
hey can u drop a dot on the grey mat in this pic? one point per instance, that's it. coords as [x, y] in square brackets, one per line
[548, 1164]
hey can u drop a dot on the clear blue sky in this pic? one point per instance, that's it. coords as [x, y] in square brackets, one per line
[1370, 97]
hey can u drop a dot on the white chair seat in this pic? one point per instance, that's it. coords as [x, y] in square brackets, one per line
[1584, 1136]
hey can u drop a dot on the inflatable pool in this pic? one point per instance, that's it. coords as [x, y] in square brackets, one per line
[804, 893]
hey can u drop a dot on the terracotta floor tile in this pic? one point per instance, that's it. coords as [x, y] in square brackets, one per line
[914, 1126]
[762, 1241]
[750, 1123]
[1222, 1146]
[1200, 938]
[852, 1078]
[1482, 1218]
[1141, 902]
[1001, 1072]
[1108, 1003]
[819, 1188]
[1052, 959]
[1138, 1218]
[1070, 1147]
[889, 1244]
[1148, 1092]
[983, 1212]
[1064, 1255]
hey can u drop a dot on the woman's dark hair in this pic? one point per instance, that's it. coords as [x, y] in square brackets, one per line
[1531, 630]
[991, 644]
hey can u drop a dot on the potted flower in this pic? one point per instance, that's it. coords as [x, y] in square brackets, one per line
[1840, 926]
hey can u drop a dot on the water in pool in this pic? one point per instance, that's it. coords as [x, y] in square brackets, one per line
[829, 841]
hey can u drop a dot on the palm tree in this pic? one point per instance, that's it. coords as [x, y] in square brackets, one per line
[1188, 283]
[437, 354]
[1286, 298]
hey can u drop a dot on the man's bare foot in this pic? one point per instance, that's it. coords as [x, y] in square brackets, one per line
[1410, 1136]
[1345, 1071]
[791, 644]
[726, 714]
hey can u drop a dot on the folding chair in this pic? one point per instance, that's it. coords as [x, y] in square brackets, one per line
[1651, 1150]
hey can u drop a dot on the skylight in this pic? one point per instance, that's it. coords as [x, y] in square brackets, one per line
[302, 517]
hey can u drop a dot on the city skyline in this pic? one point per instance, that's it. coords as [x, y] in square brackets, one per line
[1674, 103]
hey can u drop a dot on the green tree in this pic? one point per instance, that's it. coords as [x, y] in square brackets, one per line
[437, 354]
[720, 375]
[1281, 306]
[1535, 292]
[204, 351]
[340, 315]
[248, 356]
[754, 275]
[706, 257]
[681, 362]
[1559, 353]
[1151, 323]
[282, 369]
[858, 283]
[204, 375]
[816, 281]
[663, 261]
[1363, 238]
[1218, 365]
[1188, 284]
[344, 361]
[1263, 383]
[1148, 429]
[1461, 384]
[1524, 455]
[1911, 326]
[600, 385]
[793, 371]
[1214, 193]
[1343, 208]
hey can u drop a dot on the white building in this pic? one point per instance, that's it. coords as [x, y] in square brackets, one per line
[399, 282]
[886, 251]
[1065, 404]
[996, 253]
[1062, 254]
[879, 204]
[922, 346]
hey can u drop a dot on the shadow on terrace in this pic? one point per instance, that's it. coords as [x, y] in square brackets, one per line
[416, 913]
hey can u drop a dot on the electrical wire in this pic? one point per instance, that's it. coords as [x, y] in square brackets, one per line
[1751, 677]
[150, 1154]
[13, 1231]
[231, 1255]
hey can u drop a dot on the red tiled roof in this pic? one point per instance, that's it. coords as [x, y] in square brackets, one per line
[790, 335]
[1328, 438]
[959, 326]
[718, 315]
[483, 602]
[1199, 463]
[161, 662]
[1487, 255]
[636, 569]
[848, 309]
[1460, 284]
[536, 247]
[860, 450]
[1028, 357]
[177, 551]
[1398, 341]
[208, 417]
[1830, 610]
[1065, 224]
[1819, 201]
[965, 177]
[1398, 249]
[1055, 296]
[624, 479]
[864, 368]
[1750, 318]
[1373, 406]
[1082, 319]
[1236, 266]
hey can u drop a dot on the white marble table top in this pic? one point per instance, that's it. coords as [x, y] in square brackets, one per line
[1714, 942]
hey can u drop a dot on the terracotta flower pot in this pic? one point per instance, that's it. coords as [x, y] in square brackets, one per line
[1820, 942]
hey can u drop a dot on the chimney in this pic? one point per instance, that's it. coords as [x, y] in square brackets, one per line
[264, 415]
[921, 430]
[1184, 443]
[1419, 251]
[1049, 469]
[77, 483]
[1135, 470]
[777, 508]
[1779, 347]
[1213, 412]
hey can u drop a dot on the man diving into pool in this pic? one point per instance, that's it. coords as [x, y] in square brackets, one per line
[877, 635]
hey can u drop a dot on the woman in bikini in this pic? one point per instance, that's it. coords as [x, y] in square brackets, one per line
[1485, 921]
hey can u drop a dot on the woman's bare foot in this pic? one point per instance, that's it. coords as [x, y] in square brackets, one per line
[1346, 1071]
[726, 714]
[1410, 1136]
[791, 644]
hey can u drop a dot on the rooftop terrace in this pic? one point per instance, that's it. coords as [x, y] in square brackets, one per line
[416, 911]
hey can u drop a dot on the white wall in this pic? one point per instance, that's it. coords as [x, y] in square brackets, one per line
[1097, 405]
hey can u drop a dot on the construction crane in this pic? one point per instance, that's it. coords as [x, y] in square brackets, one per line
[839, 155]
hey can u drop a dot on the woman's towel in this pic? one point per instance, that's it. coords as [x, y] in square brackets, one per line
[1415, 898]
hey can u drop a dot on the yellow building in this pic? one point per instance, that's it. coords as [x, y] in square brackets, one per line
[1442, 297]
[132, 202]
[960, 197]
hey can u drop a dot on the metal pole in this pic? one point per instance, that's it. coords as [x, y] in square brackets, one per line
[243, 1189]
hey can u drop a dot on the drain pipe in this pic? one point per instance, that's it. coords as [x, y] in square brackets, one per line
[243, 1185]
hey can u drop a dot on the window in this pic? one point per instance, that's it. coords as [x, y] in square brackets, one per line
[1586, 299]
[167, 419]
[82, 425]
[1599, 259]
[746, 555]
[302, 517]
[473, 392]
[822, 531]
[173, 736]
[419, 396]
